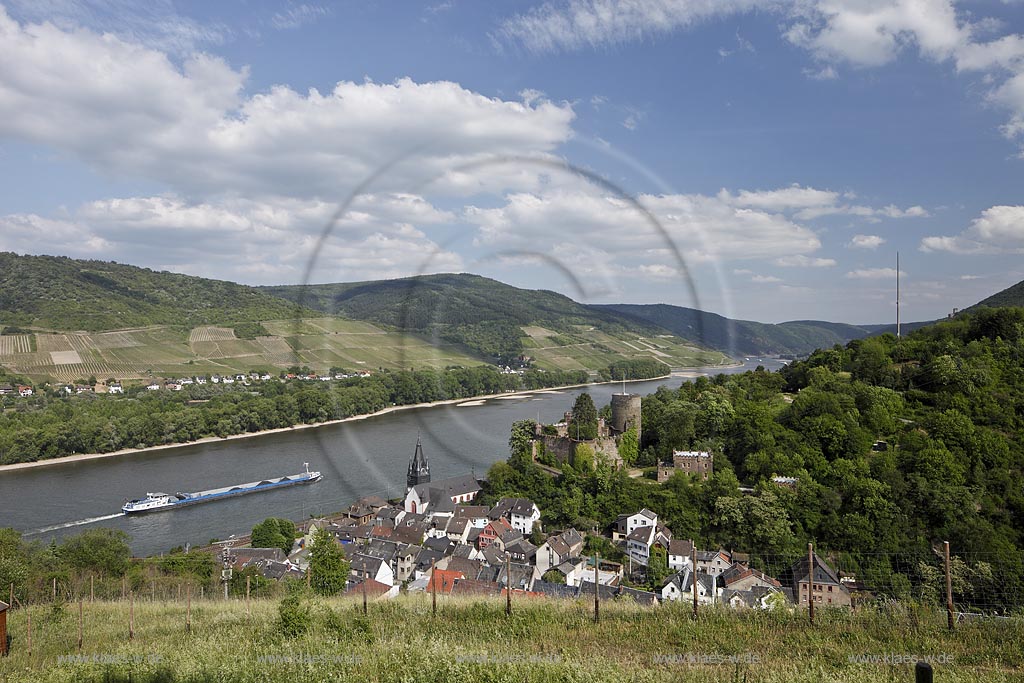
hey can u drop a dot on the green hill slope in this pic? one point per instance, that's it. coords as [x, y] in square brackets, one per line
[501, 322]
[742, 337]
[59, 293]
[1011, 296]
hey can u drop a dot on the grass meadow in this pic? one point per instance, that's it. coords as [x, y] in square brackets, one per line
[473, 640]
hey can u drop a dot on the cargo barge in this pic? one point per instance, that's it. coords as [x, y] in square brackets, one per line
[166, 501]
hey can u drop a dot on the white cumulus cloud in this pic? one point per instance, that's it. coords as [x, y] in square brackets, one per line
[999, 229]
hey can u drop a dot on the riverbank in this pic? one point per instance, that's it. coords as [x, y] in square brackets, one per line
[476, 400]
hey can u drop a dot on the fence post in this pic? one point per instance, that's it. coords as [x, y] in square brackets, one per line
[131, 616]
[247, 610]
[949, 588]
[508, 584]
[597, 593]
[80, 620]
[366, 578]
[92, 589]
[55, 589]
[188, 609]
[11, 601]
[28, 615]
[693, 568]
[810, 581]
[433, 590]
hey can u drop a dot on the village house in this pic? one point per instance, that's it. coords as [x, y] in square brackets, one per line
[557, 549]
[521, 513]
[115, 388]
[626, 524]
[640, 541]
[758, 597]
[476, 514]
[364, 510]
[740, 577]
[493, 532]
[6, 389]
[24, 390]
[713, 562]
[827, 588]
[679, 587]
[368, 567]
[680, 554]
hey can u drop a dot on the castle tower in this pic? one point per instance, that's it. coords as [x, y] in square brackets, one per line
[626, 409]
[419, 468]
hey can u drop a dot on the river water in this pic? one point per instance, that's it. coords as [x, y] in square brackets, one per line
[357, 458]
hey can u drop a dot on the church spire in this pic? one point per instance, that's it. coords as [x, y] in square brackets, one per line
[419, 468]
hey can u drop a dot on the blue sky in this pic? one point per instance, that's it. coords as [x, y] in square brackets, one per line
[778, 153]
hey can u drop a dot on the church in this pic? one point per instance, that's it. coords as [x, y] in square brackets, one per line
[435, 498]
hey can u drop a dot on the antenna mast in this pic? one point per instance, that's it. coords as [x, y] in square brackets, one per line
[897, 295]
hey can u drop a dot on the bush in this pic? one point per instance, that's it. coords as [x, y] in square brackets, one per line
[293, 615]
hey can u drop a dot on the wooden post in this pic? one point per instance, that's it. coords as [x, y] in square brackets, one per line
[80, 619]
[693, 568]
[247, 580]
[202, 592]
[949, 588]
[188, 609]
[433, 583]
[11, 601]
[131, 616]
[92, 589]
[124, 591]
[597, 593]
[28, 615]
[365, 579]
[810, 581]
[508, 584]
[55, 589]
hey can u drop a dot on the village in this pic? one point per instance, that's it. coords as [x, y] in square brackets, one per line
[438, 540]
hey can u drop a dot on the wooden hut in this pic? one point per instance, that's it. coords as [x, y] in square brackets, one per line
[3, 627]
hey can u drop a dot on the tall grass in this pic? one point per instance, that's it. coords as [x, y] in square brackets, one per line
[472, 639]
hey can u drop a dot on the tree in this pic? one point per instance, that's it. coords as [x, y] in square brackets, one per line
[102, 550]
[657, 567]
[274, 532]
[583, 458]
[328, 567]
[629, 446]
[553, 576]
[584, 418]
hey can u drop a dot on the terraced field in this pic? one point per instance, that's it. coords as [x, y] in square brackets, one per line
[319, 343]
[591, 349]
[167, 351]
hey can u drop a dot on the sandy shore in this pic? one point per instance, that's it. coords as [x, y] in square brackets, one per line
[472, 400]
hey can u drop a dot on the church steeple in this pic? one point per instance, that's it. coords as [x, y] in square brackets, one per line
[419, 468]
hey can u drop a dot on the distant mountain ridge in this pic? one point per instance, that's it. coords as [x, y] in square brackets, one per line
[743, 337]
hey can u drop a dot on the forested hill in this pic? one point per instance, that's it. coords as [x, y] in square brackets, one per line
[59, 293]
[484, 314]
[1011, 296]
[743, 337]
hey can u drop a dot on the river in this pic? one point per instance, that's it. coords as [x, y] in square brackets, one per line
[357, 458]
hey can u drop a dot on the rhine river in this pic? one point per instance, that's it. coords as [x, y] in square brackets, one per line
[357, 458]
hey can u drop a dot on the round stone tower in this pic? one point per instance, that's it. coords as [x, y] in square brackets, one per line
[625, 412]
